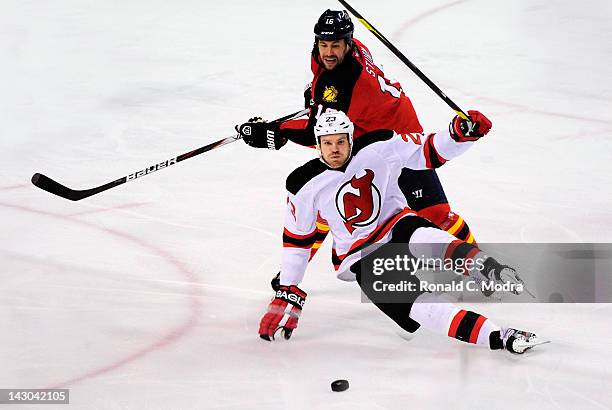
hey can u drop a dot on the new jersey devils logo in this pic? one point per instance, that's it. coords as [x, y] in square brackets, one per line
[358, 201]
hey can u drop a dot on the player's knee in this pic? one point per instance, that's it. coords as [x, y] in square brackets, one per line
[405, 228]
[438, 214]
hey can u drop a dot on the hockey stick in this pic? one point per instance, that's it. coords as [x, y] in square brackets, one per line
[55, 188]
[405, 60]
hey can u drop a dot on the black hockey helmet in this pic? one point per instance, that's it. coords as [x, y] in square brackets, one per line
[334, 25]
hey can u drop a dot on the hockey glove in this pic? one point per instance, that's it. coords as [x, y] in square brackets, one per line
[260, 134]
[283, 312]
[308, 101]
[494, 272]
[462, 130]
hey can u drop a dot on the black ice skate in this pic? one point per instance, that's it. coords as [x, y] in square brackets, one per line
[519, 341]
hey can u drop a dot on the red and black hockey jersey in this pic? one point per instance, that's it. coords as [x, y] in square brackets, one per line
[360, 89]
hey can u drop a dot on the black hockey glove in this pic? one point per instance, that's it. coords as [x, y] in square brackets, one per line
[494, 273]
[308, 101]
[260, 134]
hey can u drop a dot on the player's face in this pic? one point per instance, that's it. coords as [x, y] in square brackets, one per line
[332, 52]
[335, 149]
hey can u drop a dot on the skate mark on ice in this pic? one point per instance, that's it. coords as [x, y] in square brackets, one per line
[13, 187]
[225, 222]
[423, 16]
[543, 112]
[606, 132]
[410, 22]
[112, 208]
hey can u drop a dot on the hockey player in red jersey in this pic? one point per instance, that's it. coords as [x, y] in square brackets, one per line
[354, 187]
[347, 79]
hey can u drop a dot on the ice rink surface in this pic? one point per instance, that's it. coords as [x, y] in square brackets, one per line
[149, 295]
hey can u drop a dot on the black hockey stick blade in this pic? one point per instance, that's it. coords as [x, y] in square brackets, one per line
[45, 183]
[51, 186]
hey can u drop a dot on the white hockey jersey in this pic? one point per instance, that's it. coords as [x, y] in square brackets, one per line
[360, 202]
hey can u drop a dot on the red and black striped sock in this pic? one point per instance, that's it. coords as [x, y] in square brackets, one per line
[472, 327]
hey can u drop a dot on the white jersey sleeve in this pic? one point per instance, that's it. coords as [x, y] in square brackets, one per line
[299, 235]
[426, 151]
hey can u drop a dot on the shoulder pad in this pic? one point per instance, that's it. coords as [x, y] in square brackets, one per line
[370, 138]
[300, 176]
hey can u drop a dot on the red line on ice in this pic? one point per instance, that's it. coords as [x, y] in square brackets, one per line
[422, 16]
[166, 339]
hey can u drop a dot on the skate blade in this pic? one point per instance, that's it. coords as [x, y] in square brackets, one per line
[530, 345]
[539, 342]
[529, 292]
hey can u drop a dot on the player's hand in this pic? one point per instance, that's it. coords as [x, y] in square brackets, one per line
[261, 134]
[308, 101]
[283, 312]
[462, 130]
[494, 272]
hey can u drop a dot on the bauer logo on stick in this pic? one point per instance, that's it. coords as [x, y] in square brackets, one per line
[152, 168]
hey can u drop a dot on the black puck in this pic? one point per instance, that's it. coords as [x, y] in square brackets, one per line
[340, 385]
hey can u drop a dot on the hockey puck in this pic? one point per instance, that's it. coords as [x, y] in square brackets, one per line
[340, 385]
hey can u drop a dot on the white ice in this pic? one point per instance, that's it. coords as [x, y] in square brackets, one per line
[149, 295]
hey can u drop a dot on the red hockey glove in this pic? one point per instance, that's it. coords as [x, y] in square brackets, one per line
[261, 134]
[283, 312]
[460, 129]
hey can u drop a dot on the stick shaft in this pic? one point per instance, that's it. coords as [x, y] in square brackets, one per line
[44, 182]
[405, 60]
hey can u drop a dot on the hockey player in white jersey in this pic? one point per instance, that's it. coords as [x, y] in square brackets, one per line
[353, 186]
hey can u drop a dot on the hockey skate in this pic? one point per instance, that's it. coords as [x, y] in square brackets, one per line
[519, 341]
[494, 273]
